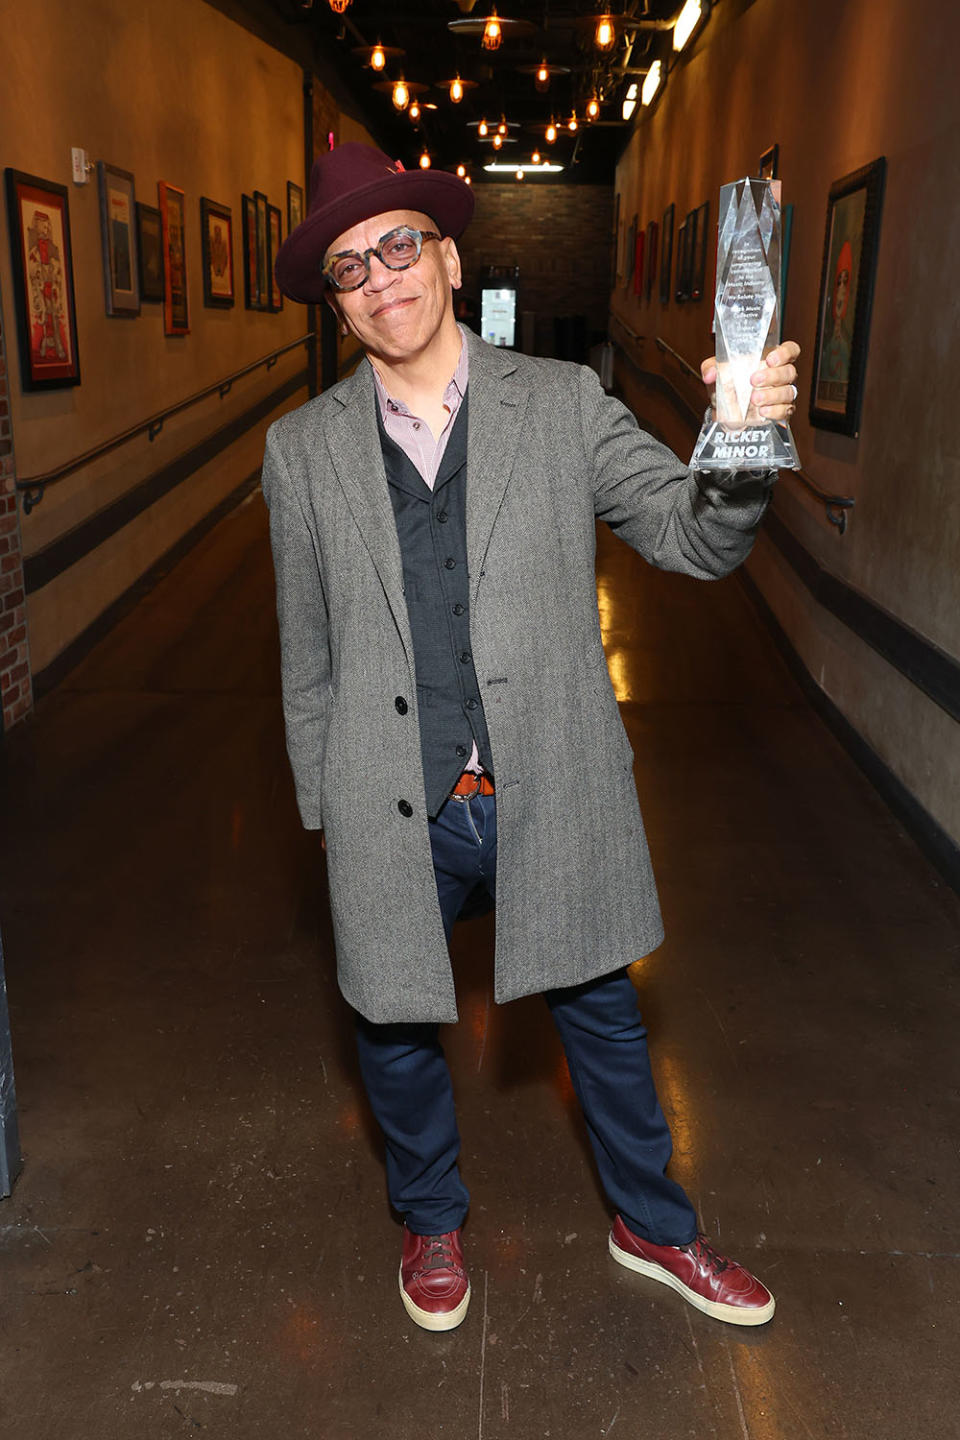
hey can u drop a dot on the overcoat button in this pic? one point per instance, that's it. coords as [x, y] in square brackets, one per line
[401, 704]
[405, 808]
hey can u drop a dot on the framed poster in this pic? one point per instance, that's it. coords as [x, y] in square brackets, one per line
[699, 267]
[685, 257]
[650, 258]
[176, 312]
[118, 240]
[216, 243]
[294, 205]
[149, 252]
[251, 273]
[666, 255]
[275, 236]
[630, 259]
[847, 276]
[615, 266]
[639, 260]
[38, 213]
[263, 250]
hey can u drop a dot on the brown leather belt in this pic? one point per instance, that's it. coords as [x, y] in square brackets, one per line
[471, 784]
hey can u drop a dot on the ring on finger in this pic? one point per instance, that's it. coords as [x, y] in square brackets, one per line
[793, 397]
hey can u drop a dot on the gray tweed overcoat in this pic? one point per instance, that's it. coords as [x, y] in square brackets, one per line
[548, 452]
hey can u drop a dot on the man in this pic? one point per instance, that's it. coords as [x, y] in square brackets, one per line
[450, 718]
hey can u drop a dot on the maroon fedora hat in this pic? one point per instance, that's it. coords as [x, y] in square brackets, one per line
[352, 183]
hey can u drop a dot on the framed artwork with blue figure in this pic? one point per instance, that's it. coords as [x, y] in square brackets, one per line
[846, 298]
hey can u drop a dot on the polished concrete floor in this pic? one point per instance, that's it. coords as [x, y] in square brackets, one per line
[199, 1241]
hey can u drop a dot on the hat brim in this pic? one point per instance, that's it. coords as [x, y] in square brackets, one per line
[445, 198]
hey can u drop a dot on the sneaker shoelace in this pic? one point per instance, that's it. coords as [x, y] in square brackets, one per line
[437, 1253]
[705, 1252]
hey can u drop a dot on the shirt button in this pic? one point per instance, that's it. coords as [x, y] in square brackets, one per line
[471, 704]
[401, 704]
[416, 424]
[458, 608]
[461, 751]
[405, 808]
[465, 657]
[450, 563]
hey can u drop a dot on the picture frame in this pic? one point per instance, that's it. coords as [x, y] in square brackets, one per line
[847, 276]
[630, 259]
[173, 222]
[294, 205]
[216, 244]
[699, 263]
[770, 163]
[274, 241]
[149, 253]
[615, 249]
[686, 242]
[261, 206]
[639, 260]
[251, 272]
[38, 212]
[666, 254]
[650, 258]
[118, 240]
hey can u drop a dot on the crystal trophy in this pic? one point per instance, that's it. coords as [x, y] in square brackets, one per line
[747, 322]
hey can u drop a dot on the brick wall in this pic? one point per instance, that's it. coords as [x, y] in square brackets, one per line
[14, 661]
[559, 235]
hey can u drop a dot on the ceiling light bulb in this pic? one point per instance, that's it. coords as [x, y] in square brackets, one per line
[338, 6]
[606, 33]
[483, 129]
[652, 82]
[542, 78]
[572, 122]
[467, 180]
[502, 127]
[551, 133]
[497, 142]
[414, 111]
[543, 74]
[462, 171]
[425, 161]
[401, 95]
[492, 34]
[519, 174]
[456, 90]
[593, 108]
[535, 158]
[377, 58]
[687, 22]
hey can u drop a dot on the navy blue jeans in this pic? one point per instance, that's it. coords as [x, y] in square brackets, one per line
[410, 1091]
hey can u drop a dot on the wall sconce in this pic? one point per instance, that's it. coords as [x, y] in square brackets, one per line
[652, 82]
[492, 34]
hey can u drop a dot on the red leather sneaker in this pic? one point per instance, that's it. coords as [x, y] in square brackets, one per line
[706, 1279]
[434, 1286]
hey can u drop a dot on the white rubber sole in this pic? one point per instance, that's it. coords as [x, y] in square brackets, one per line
[730, 1314]
[426, 1318]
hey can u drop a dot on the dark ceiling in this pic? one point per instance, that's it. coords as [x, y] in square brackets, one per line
[560, 32]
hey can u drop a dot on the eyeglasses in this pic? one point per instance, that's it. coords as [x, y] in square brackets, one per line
[398, 250]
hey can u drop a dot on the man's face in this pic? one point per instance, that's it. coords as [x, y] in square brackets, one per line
[396, 314]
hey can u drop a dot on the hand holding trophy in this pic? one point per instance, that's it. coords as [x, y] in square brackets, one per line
[747, 314]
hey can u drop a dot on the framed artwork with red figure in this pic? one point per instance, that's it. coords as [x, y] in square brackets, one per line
[216, 241]
[39, 218]
[176, 311]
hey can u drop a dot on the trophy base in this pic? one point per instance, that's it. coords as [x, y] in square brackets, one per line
[764, 446]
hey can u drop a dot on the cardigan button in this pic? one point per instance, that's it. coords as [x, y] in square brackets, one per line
[405, 808]
[401, 704]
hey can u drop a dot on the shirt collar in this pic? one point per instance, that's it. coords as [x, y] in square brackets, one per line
[458, 380]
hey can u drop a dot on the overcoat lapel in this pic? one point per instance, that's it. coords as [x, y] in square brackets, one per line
[498, 405]
[353, 441]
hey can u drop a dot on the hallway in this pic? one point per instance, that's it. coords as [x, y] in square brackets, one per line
[200, 1241]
